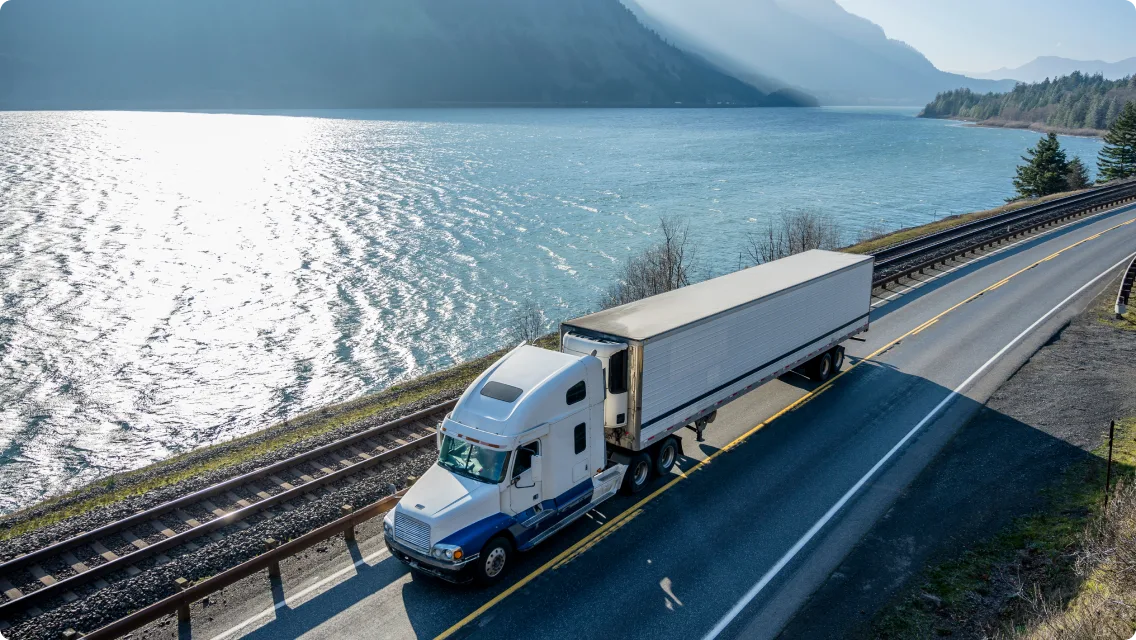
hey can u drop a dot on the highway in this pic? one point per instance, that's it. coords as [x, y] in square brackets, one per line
[788, 480]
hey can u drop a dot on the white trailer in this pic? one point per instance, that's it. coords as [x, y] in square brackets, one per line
[542, 437]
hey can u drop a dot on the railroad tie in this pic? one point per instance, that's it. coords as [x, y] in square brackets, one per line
[161, 528]
[237, 500]
[133, 539]
[374, 446]
[344, 460]
[188, 519]
[260, 493]
[280, 482]
[10, 591]
[76, 565]
[319, 469]
[214, 509]
[107, 554]
[358, 453]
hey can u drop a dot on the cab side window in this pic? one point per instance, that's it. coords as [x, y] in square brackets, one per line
[576, 393]
[581, 437]
[524, 457]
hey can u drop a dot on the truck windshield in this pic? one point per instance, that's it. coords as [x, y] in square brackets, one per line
[469, 460]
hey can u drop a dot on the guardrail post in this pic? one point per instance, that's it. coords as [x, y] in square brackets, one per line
[349, 532]
[274, 567]
[183, 608]
[1126, 285]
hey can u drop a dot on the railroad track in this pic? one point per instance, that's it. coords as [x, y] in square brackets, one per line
[905, 258]
[77, 567]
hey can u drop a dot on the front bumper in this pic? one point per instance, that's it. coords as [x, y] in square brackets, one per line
[456, 572]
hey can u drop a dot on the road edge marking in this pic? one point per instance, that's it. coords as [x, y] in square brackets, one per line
[740, 606]
[637, 507]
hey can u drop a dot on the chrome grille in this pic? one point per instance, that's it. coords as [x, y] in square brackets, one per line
[412, 531]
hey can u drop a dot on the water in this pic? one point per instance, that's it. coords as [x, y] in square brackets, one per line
[172, 280]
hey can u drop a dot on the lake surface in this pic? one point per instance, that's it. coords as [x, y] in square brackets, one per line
[171, 280]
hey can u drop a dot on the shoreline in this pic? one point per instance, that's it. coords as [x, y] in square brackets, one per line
[994, 123]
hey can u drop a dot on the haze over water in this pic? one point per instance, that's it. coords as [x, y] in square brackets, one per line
[171, 280]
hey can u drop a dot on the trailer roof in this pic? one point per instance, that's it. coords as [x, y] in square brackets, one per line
[649, 317]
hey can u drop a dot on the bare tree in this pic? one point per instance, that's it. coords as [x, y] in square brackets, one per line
[790, 233]
[662, 267]
[871, 231]
[527, 323]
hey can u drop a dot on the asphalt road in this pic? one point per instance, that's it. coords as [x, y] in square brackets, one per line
[733, 548]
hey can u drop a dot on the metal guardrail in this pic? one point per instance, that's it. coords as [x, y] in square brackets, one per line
[937, 247]
[179, 603]
[1125, 290]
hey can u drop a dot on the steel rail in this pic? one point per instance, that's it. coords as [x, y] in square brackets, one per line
[123, 561]
[143, 517]
[940, 250]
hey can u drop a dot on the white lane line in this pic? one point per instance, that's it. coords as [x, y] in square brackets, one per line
[299, 596]
[832, 511]
[1035, 236]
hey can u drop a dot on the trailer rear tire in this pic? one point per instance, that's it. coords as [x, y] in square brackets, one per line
[638, 474]
[837, 359]
[820, 369]
[665, 456]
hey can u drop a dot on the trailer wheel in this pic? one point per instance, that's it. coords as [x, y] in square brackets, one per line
[494, 562]
[837, 358]
[638, 474]
[820, 369]
[665, 456]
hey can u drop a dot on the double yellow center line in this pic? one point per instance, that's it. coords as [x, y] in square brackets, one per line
[593, 538]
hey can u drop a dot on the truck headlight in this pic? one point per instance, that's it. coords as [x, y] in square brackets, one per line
[448, 552]
[388, 523]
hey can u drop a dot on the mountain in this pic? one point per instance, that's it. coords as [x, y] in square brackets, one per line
[1076, 103]
[812, 45]
[220, 54]
[1055, 67]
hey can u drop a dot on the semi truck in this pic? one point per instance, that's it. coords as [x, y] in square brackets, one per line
[542, 437]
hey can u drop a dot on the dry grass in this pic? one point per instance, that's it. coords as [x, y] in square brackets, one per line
[911, 233]
[1105, 604]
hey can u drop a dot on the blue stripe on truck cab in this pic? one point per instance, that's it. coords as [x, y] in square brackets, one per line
[473, 537]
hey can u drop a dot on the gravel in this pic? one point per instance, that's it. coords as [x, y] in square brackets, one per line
[130, 594]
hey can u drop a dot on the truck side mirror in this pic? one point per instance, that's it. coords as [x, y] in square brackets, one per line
[537, 468]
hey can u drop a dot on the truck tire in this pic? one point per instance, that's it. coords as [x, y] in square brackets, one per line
[495, 560]
[837, 359]
[820, 369]
[665, 456]
[638, 474]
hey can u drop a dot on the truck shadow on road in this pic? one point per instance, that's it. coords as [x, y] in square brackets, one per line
[773, 486]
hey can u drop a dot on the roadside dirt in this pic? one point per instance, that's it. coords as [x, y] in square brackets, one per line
[1046, 418]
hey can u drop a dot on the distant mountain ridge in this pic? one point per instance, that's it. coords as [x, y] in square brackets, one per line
[1054, 67]
[813, 45]
[220, 54]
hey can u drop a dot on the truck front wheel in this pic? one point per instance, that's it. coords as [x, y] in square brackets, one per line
[494, 561]
[638, 473]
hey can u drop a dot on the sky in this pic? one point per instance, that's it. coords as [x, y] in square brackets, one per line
[984, 35]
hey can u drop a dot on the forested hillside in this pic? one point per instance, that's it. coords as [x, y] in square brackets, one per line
[1076, 102]
[218, 54]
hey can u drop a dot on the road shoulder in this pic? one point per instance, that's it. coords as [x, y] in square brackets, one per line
[1043, 423]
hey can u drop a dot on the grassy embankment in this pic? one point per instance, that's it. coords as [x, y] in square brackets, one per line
[240, 450]
[1059, 573]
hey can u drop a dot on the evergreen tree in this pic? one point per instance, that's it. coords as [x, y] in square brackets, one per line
[1078, 175]
[1117, 158]
[1045, 170]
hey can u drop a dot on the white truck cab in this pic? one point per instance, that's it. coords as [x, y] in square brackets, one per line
[521, 455]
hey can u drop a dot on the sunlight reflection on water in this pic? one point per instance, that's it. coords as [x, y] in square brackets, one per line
[171, 280]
